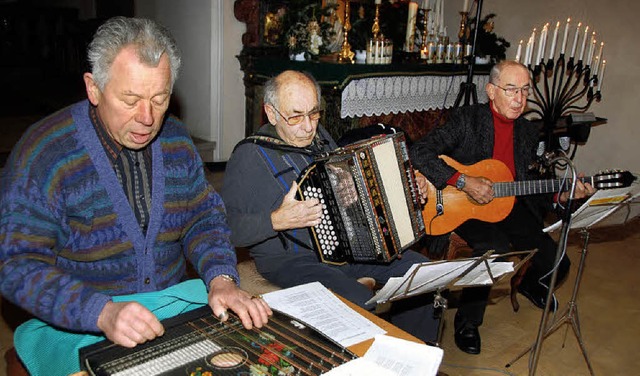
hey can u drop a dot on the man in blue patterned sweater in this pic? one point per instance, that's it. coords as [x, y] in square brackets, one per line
[108, 197]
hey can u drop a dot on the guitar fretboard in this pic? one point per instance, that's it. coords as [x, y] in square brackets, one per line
[532, 187]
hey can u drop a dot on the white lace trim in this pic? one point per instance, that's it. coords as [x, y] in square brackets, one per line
[395, 94]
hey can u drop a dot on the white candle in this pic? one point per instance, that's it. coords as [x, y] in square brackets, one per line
[584, 42]
[604, 64]
[539, 56]
[598, 58]
[425, 4]
[411, 21]
[575, 40]
[465, 7]
[441, 22]
[553, 41]
[518, 52]
[564, 38]
[591, 48]
[596, 63]
[378, 1]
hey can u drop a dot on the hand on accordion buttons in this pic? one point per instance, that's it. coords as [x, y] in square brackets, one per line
[293, 213]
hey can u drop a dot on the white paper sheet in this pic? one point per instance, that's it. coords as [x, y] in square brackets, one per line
[315, 305]
[429, 276]
[606, 207]
[390, 356]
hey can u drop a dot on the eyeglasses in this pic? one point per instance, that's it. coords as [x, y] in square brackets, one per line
[297, 119]
[512, 91]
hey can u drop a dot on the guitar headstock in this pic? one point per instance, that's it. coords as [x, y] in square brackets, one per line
[613, 179]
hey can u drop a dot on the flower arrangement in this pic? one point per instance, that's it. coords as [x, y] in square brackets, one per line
[306, 34]
[488, 43]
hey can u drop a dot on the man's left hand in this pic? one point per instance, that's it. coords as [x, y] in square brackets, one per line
[582, 190]
[224, 294]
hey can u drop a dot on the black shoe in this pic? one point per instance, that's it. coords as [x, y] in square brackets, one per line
[538, 296]
[468, 339]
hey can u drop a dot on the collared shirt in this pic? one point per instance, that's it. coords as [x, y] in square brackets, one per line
[133, 169]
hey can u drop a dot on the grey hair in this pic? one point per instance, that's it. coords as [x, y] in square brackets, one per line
[272, 86]
[150, 39]
[496, 70]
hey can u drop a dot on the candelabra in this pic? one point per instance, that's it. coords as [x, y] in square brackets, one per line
[463, 33]
[375, 29]
[425, 26]
[561, 88]
[346, 55]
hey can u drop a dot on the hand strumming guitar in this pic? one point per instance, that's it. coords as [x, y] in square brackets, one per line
[479, 189]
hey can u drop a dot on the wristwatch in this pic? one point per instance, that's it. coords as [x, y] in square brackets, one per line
[461, 181]
[228, 277]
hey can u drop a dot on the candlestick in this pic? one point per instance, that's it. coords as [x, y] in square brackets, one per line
[553, 41]
[599, 57]
[540, 45]
[346, 55]
[575, 40]
[411, 23]
[564, 38]
[463, 33]
[425, 32]
[596, 63]
[584, 42]
[604, 64]
[375, 29]
[591, 48]
[441, 21]
[518, 51]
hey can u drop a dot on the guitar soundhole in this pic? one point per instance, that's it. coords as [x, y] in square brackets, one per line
[227, 358]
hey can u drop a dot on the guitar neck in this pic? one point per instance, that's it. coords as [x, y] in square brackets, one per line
[532, 187]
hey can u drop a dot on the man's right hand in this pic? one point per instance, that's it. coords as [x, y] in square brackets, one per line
[129, 323]
[293, 213]
[478, 188]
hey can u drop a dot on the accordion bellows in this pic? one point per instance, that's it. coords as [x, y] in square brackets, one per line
[371, 210]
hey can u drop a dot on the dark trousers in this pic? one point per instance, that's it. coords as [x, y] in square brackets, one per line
[414, 315]
[520, 231]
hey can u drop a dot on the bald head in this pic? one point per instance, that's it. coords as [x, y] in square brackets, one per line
[292, 104]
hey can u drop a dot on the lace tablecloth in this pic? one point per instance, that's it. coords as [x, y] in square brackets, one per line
[395, 94]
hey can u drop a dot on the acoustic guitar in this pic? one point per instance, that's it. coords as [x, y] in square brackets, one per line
[448, 208]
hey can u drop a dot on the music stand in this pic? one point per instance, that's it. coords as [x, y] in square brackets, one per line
[439, 276]
[605, 208]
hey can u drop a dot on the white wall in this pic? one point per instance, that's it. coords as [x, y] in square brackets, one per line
[611, 145]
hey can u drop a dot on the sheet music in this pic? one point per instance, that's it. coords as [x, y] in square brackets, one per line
[318, 307]
[390, 356]
[429, 276]
[616, 205]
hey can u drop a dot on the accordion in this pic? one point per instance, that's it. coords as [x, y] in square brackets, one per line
[371, 210]
[196, 343]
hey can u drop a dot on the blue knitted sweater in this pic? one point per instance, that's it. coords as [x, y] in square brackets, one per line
[69, 239]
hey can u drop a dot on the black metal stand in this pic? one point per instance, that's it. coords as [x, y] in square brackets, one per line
[468, 89]
[570, 314]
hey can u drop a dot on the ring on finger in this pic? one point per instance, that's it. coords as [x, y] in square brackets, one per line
[223, 316]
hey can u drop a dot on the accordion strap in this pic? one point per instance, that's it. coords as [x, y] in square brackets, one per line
[275, 144]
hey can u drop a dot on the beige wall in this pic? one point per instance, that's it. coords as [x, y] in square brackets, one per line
[612, 145]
